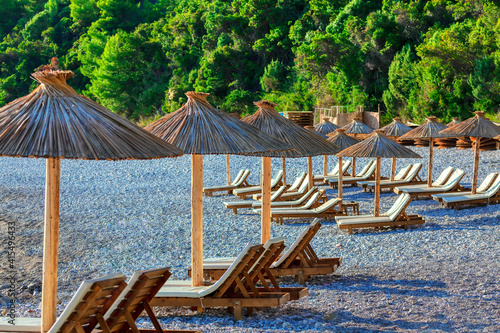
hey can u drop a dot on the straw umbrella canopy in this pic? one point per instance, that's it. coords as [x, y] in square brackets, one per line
[453, 122]
[343, 141]
[325, 127]
[357, 128]
[379, 146]
[305, 143]
[429, 130]
[396, 128]
[200, 129]
[476, 127]
[54, 122]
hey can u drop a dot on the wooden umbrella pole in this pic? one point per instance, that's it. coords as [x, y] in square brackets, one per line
[196, 220]
[325, 165]
[377, 187]
[393, 169]
[228, 168]
[266, 200]
[431, 152]
[353, 166]
[50, 243]
[341, 177]
[476, 165]
[284, 171]
[310, 175]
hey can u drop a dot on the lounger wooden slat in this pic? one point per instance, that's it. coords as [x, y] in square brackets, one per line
[239, 182]
[395, 216]
[233, 290]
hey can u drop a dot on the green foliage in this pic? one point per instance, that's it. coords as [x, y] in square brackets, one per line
[415, 57]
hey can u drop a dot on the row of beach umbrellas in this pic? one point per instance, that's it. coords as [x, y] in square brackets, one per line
[55, 122]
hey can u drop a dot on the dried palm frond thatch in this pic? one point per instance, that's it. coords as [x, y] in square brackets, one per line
[429, 129]
[396, 128]
[478, 126]
[378, 145]
[342, 140]
[325, 127]
[199, 128]
[311, 128]
[357, 127]
[453, 122]
[55, 121]
[305, 143]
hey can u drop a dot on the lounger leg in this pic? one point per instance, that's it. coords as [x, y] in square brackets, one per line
[235, 210]
[249, 312]
[237, 311]
[301, 278]
[349, 229]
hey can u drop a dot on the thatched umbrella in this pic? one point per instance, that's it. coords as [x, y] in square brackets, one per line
[379, 146]
[54, 122]
[305, 143]
[357, 129]
[476, 127]
[325, 127]
[200, 129]
[343, 141]
[429, 130]
[447, 142]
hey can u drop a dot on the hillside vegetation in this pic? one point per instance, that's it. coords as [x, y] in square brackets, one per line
[414, 58]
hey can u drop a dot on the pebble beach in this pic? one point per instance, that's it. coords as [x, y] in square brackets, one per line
[443, 276]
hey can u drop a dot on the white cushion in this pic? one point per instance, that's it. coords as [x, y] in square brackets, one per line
[21, 324]
[444, 175]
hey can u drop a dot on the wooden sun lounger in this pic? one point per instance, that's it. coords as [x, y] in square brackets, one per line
[243, 193]
[367, 175]
[492, 195]
[234, 205]
[317, 199]
[395, 216]
[412, 178]
[234, 290]
[297, 183]
[318, 179]
[288, 196]
[92, 299]
[326, 210]
[400, 176]
[299, 260]
[485, 186]
[452, 185]
[134, 300]
[290, 204]
[239, 182]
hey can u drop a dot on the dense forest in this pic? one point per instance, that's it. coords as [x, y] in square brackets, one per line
[415, 58]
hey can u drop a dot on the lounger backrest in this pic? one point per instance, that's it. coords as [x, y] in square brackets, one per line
[237, 262]
[345, 166]
[267, 246]
[487, 182]
[312, 200]
[92, 297]
[330, 203]
[443, 177]
[303, 187]
[298, 242]
[303, 198]
[238, 177]
[493, 190]
[275, 181]
[335, 171]
[278, 192]
[398, 206]
[298, 181]
[243, 177]
[403, 172]
[415, 169]
[366, 168]
[455, 178]
[141, 288]
[370, 171]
